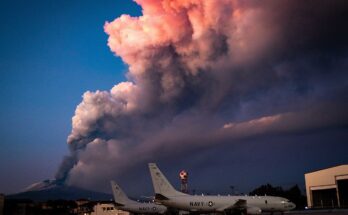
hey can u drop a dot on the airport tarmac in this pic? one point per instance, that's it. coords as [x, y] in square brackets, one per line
[319, 212]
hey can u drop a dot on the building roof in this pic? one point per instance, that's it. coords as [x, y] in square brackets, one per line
[330, 168]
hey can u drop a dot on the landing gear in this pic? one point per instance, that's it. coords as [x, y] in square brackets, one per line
[235, 212]
[243, 212]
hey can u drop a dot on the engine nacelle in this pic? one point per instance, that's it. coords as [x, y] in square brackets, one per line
[253, 210]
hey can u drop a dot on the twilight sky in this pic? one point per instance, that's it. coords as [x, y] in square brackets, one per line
[238, 93]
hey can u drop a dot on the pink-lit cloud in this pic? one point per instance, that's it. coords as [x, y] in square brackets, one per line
[201, 73]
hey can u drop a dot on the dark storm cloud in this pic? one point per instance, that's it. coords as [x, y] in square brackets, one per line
[206, 73]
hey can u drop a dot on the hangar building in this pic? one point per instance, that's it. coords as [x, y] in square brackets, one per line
[327, 188]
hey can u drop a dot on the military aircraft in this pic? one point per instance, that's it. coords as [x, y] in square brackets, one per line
[165, 194]
[122, 202]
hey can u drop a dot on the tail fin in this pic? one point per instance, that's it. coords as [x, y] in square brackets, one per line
[163, 189]
[119, 196]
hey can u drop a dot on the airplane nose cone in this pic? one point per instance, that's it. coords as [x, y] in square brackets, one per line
[292, 205]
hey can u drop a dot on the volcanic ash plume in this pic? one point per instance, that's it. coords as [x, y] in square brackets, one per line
[201, 73]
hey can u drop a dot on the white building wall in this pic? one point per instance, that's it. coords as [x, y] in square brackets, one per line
[107, 209]
[323, 179]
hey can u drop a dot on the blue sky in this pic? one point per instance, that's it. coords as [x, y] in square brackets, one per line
[289, 84]
[51, 53]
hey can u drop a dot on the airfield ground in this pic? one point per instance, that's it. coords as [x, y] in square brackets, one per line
[319, 212]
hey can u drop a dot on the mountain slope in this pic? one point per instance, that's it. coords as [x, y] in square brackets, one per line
[51, 190]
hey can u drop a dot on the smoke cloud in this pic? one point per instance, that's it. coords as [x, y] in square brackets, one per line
[204, 73]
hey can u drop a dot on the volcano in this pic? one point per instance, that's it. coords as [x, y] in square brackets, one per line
[54, 190]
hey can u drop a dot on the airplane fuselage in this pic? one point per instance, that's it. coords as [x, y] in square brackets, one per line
[143, 208]
[218, 203]
[167, 195]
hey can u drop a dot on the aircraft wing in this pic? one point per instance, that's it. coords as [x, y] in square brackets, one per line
[239, 204]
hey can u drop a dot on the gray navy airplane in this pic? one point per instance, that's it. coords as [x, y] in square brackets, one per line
[165, 194]
[122, 202]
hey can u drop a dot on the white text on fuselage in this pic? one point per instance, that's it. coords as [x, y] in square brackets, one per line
[147, 208]
[201, 204]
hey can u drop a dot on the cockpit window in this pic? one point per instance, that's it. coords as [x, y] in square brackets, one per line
[285, 201]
